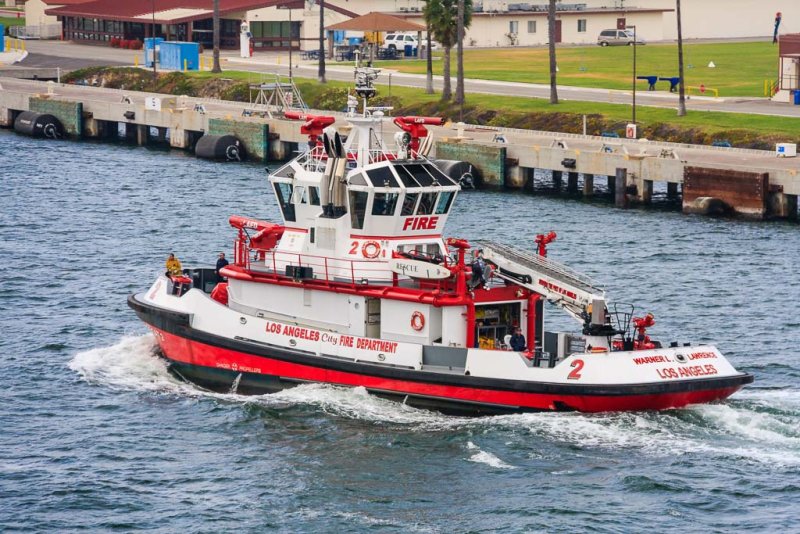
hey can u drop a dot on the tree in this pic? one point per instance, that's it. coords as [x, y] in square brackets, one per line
[428, 54]
[460, 58]
[551, 31]
[681, 88]
[215, 21]
[321, 68]
[442, 17]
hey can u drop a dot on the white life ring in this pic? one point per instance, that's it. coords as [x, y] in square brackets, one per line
[371, 249]
[417, 321]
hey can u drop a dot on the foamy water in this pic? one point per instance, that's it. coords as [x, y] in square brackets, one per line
[758, 426]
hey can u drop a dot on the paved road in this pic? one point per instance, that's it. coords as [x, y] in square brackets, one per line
[278, 63]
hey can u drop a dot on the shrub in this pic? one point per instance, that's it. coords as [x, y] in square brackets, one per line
[114, 42]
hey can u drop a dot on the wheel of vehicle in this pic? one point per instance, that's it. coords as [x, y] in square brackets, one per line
[393, 48]
[604, 43]
[630, 44]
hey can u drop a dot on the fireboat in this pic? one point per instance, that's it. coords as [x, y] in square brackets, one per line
[357, 287]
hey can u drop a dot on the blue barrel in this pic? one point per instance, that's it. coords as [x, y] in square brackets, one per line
[2, 38]
[409, 50]
[796, 94]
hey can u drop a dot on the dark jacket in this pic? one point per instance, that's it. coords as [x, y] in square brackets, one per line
[221, 262]
[517, 343]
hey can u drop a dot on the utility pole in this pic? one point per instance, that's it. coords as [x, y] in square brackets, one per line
[460, 60]
[681, 87]
[216, 68]
[321, 70]
[633, 119]
[153, 42]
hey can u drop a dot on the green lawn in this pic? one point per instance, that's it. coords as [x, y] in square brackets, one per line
[741, 68]
[12, 21]
[708, 122]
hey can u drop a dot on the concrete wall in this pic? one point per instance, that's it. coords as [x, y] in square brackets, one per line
[69, 113]
[254, 135]
[490, 159]
[34, 13]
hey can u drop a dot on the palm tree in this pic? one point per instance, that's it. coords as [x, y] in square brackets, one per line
[429, 55]
[681, 88]
[321, 69]
[460, 57]
[439, 18]
[551, 30]
[215, 20]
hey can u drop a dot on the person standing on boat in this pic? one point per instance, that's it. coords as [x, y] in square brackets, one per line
[517, 341]
[221, 262]
[479, 271]
[174, 267]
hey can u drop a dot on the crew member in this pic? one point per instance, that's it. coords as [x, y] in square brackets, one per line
[479, 271]
[174, 267]
[517, 340]
[221, 262]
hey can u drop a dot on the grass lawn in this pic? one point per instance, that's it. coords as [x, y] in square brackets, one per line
[709, 122]
[12, 21]
[741, 68]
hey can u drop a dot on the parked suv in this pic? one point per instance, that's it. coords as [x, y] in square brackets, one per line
[398, 41]
[617, 37]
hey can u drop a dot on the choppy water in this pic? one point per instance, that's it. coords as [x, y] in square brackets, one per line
[94, 434]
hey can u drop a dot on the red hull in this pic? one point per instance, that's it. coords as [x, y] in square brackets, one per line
[202, 355]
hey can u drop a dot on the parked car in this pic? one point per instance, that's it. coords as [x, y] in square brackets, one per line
[398, 41]
[618, 38]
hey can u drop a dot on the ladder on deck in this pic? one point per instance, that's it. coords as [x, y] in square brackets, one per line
[554, 281]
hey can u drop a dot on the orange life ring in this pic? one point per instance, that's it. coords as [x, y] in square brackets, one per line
[371, 249]
[417, 321]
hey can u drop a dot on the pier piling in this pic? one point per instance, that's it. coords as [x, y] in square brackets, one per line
[588, 185]
[620, 187]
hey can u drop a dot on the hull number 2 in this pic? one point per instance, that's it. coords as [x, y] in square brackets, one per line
[577, 366]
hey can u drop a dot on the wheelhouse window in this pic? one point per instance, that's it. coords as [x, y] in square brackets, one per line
[357, 179]
[299, 195]
[409, 203]
[444, 203]
[358, 208]
[426, 204]
[384, 203]
[313, 195]
[382, 177]
[283, 192]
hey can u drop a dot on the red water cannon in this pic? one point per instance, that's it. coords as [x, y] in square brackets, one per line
[415, 127]
[642, 324]
[313, 126]
[542, 240]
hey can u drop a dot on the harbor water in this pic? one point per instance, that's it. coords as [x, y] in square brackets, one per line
[95, 435]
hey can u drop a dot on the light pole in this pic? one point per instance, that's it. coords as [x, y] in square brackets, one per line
[633, 120]
[153, 43]
[291, 39]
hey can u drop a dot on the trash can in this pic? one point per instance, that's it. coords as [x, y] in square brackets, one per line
[796, 95]
[409, 50]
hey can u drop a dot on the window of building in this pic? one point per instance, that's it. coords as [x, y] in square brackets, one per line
[581, 25]
[531, 26]
[384, 203]
[513, 26]
[358, 208]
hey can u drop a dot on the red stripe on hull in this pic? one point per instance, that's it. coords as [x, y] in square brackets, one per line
[195, 353]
